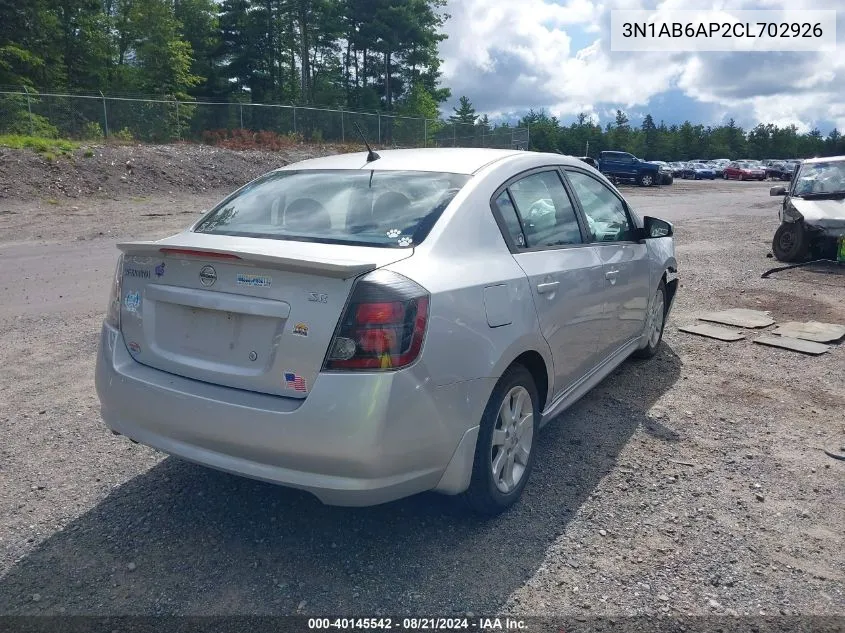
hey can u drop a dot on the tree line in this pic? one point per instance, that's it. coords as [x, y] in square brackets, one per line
[674, 142]
[357, 54]
[365, 55]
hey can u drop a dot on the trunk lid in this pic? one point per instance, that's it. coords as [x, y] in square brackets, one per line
[250, 313]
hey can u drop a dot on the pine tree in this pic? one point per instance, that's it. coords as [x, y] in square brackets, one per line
[464, 112]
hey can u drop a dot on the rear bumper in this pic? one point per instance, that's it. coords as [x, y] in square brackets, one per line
[358, 439]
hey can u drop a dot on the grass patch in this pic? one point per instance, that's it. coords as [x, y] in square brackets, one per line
[52, 201]
[38, 144]
[89, 153]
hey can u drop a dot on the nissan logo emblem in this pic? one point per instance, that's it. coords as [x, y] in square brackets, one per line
[208, 276]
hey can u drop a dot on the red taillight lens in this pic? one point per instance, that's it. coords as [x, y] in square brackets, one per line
[383, 326]
[380, 312]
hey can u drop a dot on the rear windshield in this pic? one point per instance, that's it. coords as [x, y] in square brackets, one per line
[374, 208]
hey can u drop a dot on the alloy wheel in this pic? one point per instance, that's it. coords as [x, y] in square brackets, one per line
[513, 437]
[655, 328]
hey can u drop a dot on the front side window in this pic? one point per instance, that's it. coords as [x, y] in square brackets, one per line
[606, 216]
[353, 206]
[548, 217]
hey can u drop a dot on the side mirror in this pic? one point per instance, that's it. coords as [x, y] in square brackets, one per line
[777, 191]
[655, 227]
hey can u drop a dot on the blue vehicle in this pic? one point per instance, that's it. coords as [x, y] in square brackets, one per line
[700, 171]
[625, 166]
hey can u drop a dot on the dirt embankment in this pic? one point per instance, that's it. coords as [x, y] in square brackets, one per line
[120, 171]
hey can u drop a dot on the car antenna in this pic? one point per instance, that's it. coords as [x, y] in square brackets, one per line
[371, 155]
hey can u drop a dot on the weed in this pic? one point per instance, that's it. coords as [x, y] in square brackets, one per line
[242, 139]
[37, 143]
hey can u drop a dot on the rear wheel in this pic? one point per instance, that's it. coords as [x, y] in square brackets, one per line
[646, 180]
[654, 323]
[504, 453]
[790, 243]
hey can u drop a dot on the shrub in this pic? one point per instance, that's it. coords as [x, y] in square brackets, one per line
[125, 135]
[92, 131]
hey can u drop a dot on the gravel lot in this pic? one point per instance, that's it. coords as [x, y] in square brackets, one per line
[691, 484]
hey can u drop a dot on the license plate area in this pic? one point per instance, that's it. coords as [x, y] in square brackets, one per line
[228, 339]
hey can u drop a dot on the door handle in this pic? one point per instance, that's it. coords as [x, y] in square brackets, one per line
[549, 286]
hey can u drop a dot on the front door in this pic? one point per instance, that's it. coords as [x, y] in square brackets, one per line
[565, 272]
[624, 259]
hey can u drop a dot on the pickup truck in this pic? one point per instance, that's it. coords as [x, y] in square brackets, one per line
[624, 166]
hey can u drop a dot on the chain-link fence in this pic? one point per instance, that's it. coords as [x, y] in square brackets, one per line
[157, 120]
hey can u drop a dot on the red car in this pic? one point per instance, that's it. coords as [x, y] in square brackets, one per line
[743, 170]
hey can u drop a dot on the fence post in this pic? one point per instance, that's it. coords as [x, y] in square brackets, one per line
[379, 128]
[242, 115]
[513, 146]
[29, 107]
[342, 129]
[294, 120]
[178, 123]
[425, 132]
[105, 113]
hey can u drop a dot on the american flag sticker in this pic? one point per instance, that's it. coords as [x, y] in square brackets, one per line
[295, 382]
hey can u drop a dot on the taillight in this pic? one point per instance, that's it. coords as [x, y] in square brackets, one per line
[113, 312]
[383, 325]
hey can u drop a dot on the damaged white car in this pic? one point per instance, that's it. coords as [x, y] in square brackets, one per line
[813, 212]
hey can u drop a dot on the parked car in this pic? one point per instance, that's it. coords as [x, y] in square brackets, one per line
[687, 170]
[665, 175]
[779, 170]
[700, 171]
[306, 331]
[744, 170]
[677, 169]
[813, 211]
[625, 166]
[718, 165]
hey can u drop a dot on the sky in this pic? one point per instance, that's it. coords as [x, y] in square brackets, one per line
[508, 56]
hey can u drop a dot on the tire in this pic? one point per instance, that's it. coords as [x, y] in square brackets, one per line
[646, 180]
[790, 243]
[490, 494]
[655, 323]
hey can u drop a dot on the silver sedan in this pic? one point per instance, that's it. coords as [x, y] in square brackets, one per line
[368, 327]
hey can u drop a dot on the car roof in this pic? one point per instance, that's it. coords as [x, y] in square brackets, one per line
[456, 160]
[824, 159]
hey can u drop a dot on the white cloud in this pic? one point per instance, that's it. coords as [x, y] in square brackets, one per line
[511, 56]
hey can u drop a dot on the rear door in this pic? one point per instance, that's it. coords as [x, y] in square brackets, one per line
[624, 260]
[566, 275]
[233, 311]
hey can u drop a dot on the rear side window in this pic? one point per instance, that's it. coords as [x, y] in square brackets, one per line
[509, 215]
[366, 207]
[547, 215]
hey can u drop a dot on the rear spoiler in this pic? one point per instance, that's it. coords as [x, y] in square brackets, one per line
[308, 265]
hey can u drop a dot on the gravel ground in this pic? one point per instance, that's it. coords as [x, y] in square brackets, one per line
[691, 484]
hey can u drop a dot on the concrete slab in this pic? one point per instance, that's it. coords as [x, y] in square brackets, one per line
[739, 317]
[713, 331]
[794, 344]
[811, 331]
